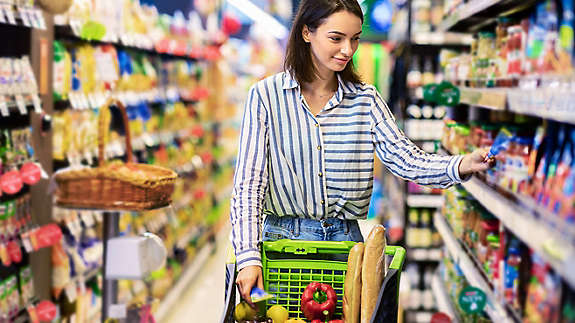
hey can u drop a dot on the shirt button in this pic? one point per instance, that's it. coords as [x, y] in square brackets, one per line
[322, 202]
[318, 147]
[320, 174]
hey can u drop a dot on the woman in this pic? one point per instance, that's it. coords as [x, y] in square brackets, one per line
[308, 140]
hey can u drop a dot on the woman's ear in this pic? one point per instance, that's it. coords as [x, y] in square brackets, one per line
[305, 33]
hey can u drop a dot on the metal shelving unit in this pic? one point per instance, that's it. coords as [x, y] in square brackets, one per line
[476, 14]
[494, 309]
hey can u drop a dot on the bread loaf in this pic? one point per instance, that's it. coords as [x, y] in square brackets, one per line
[372, 272]
[352, 286]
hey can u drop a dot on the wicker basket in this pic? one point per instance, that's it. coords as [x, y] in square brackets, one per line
[115, 185]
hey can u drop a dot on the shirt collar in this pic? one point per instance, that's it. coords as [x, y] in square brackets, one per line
[347, 87]
[289, 82]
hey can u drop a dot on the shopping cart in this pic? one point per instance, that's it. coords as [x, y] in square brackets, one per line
[290, 265]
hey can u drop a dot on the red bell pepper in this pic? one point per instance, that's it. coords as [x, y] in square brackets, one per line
[326, 321]
[318, 301]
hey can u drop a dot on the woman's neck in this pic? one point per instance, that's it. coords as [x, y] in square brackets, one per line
[322, 84]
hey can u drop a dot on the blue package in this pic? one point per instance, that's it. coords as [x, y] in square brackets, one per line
[258, 295]
[500, 143]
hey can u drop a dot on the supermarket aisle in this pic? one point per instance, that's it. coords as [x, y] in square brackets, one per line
[203, 299]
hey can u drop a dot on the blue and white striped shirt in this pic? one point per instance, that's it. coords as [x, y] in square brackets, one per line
[291, 162]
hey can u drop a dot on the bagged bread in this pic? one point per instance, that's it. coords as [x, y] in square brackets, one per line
[352, 285]
[372, 272]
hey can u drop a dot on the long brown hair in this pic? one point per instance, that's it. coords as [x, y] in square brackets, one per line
[312, 13]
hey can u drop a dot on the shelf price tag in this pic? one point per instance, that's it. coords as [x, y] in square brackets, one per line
[76, 26]
[41, 19]
[2, 17]
[4, 111]
[72, 291]
[21, 104]
[37, 103]
[24, 16]
[472, 300]
[35, 18]
[9, 14]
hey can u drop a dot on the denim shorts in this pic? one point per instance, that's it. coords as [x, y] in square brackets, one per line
[291, 227]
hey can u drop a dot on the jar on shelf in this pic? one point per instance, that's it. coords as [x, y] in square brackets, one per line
[485, 54]
[462, 132]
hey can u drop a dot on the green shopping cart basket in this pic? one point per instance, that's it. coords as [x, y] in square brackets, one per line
[290, 265]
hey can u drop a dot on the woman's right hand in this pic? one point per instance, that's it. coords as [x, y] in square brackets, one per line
[249, 277]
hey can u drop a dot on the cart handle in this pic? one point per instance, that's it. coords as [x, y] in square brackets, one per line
[398, 254]
[309, 247]
[301, 247]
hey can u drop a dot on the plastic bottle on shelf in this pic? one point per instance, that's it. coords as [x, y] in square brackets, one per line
[567, 200]
[508, 174]
[414, 111]
[523, 150]
[425, 234]
[488, 227]
[414, 74]
[412, 231]
[414, 291]
[428, 76]
[428, 300]
[511, 278]
[427, 112]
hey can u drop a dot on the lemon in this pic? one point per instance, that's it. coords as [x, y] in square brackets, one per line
[244, 312]
[278, 314]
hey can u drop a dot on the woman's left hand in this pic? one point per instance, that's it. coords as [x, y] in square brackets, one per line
[475, 162]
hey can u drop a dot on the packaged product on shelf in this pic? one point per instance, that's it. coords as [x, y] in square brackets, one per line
[26, 286]
[12, 296]
[556, 189]
[543, 293]
[421, 16]
[568, 309]
[511, 277]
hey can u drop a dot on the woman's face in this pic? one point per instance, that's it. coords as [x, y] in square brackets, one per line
[334, 42]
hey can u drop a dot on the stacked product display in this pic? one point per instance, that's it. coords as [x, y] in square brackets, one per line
[508, 232]
[160, 68]
[132, 24]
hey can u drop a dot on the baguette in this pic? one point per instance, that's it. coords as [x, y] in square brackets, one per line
[372, 272]
[352, 286]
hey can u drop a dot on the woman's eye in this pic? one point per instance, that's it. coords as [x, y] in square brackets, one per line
[335, 38]
[356, 39]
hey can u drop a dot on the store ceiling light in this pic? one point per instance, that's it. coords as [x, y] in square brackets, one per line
[261, 17]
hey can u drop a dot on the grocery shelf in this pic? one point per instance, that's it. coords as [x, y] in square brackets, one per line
[547, 103]
[476, 14]
[551, 103]
[494, 309]
[421, 200]
[443, 300]
[96, 100]
[534, 231]
[489, 98]
[441, 39]
[73, 33]
[28, 103]
[425, 254]
[28, 17]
